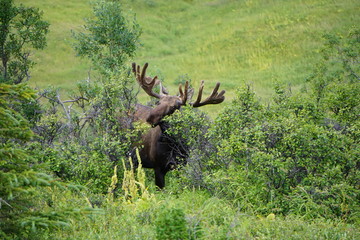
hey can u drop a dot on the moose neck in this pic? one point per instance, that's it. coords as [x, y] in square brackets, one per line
[161, 150]
[163, 126]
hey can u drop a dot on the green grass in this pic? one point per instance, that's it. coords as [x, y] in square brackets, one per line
[57, 64]
[234, 42]
[213, 217]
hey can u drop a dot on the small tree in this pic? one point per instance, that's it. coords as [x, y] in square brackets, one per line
[96, 133]
[109, 39]
[21, 30]
[22, 211]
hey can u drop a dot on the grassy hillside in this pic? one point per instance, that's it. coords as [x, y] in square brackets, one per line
[253, 41]
[57, 64]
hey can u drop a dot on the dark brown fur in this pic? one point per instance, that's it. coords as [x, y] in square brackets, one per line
[157, 149]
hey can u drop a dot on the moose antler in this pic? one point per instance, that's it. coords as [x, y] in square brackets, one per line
[184, 95]
[214, 98]
[147, 83]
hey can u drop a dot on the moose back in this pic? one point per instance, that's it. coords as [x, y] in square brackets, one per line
[157, 149]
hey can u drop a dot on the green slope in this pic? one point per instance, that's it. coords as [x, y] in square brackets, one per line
[231, 41]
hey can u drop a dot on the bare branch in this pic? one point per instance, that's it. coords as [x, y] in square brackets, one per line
[75, 100]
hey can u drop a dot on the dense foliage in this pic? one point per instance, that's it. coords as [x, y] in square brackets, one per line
[301, 153]
[25, 205]
[88, 134]
[22, 29]
[108, 39]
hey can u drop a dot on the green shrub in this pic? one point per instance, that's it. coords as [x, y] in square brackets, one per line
[22, 31]
[284, 159]
[298, 154]
[108, 38]
[25, 210]
[171, 224]
[188, 130]
[90, 132]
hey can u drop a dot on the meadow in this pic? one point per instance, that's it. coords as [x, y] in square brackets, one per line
[233, 42]
[266, 167]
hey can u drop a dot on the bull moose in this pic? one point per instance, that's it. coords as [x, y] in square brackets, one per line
[156, 149]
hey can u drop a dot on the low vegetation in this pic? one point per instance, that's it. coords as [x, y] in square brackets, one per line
[287, 168]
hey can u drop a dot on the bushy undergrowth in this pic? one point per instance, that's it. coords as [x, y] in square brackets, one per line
[194, 214]
[289, 160]
[298, 155]
[86, 136]
[25, 191]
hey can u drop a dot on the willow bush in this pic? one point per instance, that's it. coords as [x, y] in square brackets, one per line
[299, 154]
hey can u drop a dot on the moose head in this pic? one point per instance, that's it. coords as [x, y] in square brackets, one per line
[156, 150]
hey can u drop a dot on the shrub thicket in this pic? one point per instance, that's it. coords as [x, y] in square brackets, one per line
[26, 204]
[299, 154]
[87, 135]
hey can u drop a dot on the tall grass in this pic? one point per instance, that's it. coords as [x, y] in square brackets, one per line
[207, 217]
[253, 41]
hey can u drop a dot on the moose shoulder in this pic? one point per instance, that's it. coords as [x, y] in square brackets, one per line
[156, 148]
